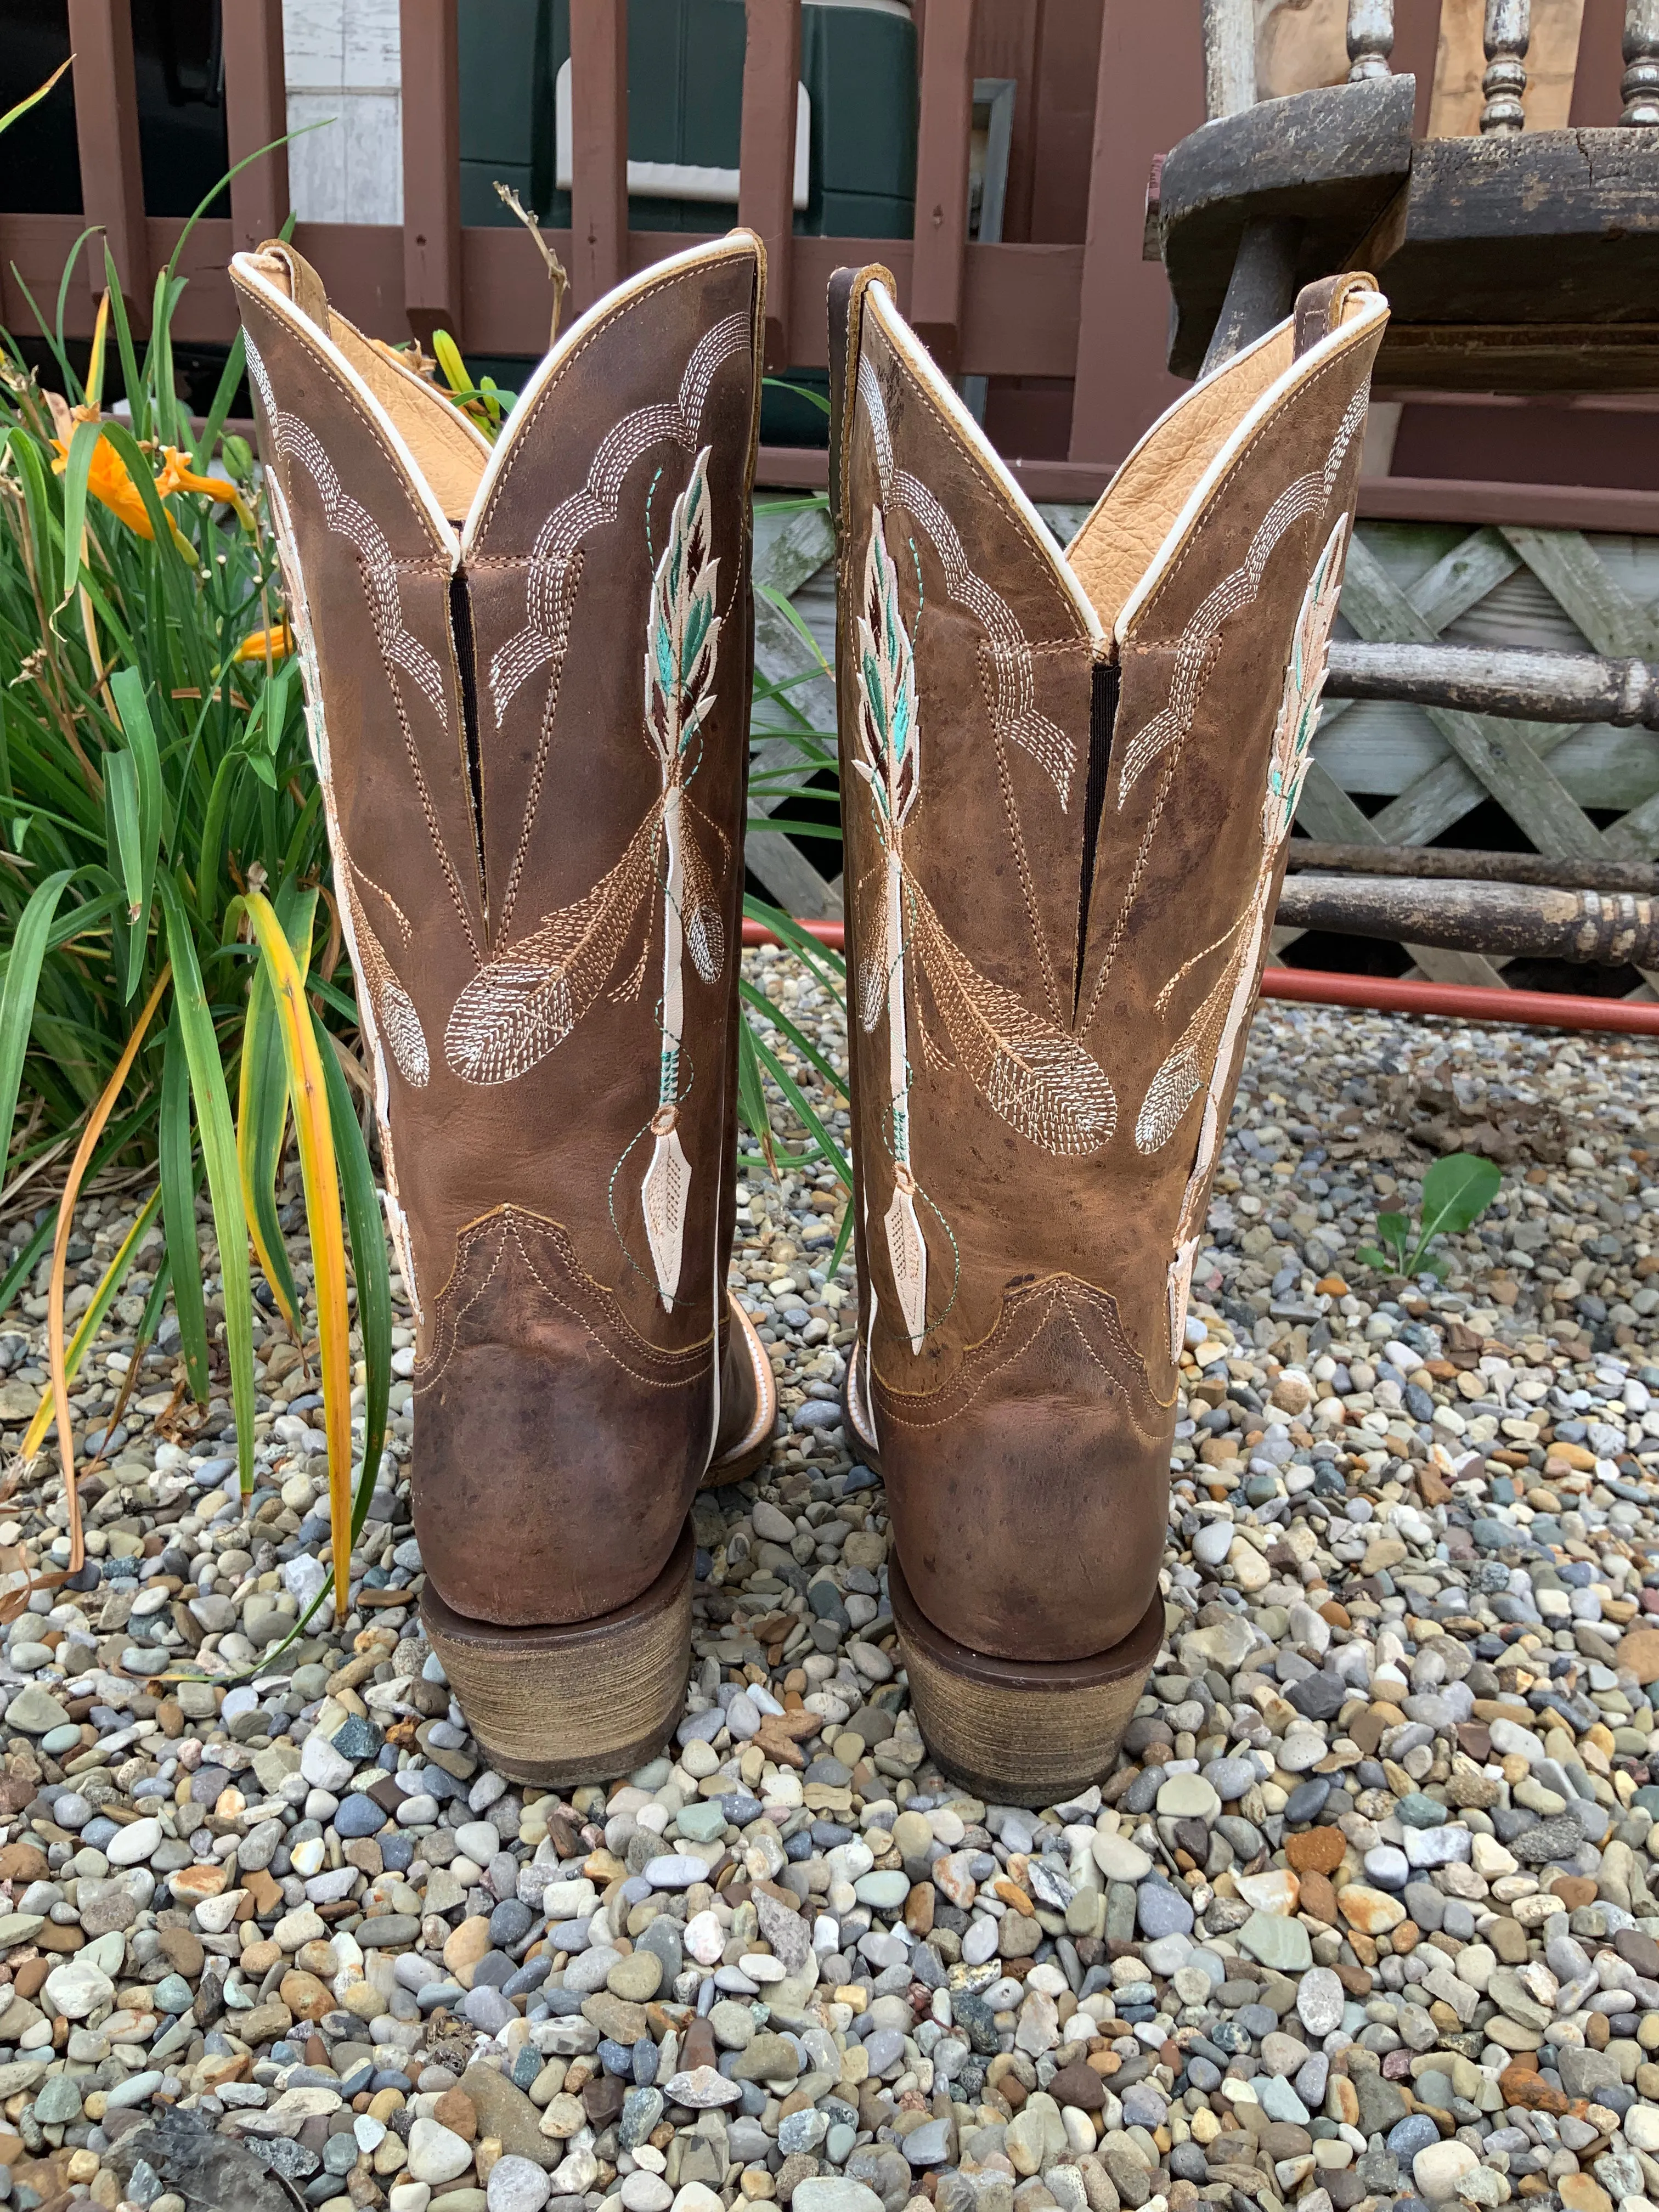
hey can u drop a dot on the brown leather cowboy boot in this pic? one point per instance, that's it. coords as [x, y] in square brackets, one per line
[527, 670]
[1067, 782]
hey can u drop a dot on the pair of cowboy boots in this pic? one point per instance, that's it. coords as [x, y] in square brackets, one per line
[1067, 781]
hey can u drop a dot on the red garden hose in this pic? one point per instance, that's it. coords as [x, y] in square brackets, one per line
[1390, 994]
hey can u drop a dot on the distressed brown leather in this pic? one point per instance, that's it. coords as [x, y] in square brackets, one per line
[1086, 864]
[507, 788]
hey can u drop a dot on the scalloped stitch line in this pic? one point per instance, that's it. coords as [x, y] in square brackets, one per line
[1055, 1290]
[1015, 716]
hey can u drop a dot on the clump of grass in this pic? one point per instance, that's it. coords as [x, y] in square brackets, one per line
[166, 927]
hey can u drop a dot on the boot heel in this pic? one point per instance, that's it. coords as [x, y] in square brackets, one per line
[1022, 1732]
[584, 1702]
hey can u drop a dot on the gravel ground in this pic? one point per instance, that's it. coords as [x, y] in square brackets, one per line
[1363, 1917]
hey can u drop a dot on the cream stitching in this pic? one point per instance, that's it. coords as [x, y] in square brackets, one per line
[1015, 715]
[1143, 857]
[346, 517]
[554, 577]
[1027, 884]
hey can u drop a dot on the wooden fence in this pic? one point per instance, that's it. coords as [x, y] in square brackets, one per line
[1080, 313]
[1010, 310]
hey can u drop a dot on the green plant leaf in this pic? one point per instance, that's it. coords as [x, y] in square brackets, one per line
[751, 1098]
[223, 398]
[1368, 1256]
[804, 1112]
[367, 1229]
[261, 1122]
[132, 381]
[1456, 1192]
[174, 1147]
[207, 1082]
[23, 1265]
[28, 948]
[31, 99]
[83, 440]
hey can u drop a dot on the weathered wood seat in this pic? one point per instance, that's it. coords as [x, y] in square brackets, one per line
[1517, 260]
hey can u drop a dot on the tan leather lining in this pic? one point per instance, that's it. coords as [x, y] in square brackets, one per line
[1119, 541]
[449, 453]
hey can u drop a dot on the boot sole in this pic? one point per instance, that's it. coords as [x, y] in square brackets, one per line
[584, 1702]
[1021, 1732]
[750, 1449]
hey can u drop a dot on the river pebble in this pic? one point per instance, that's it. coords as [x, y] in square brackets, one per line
[1363, 1917]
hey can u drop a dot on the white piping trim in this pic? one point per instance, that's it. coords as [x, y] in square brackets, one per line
[734, 244]
[922, 366]
[1375, 309]
[246, 269]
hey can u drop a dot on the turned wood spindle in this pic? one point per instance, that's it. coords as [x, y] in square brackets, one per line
[1508, 33]
[1639, 87]
[1370, 38]
[1229, 32]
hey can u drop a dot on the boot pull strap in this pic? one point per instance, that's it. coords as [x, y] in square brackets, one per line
[1320, 308]
[847, 290]
[305, 286]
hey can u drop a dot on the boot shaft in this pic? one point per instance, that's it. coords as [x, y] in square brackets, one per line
[528, 677]
[1067, 782]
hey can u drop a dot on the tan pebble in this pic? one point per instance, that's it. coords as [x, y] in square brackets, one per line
[468, 1944]
[1373, 1912]
[306, 1998]
[390, 2156]
[192, 1883]
[456, 2110]
[1579, 2193]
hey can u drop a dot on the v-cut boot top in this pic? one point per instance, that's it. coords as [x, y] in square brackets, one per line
[527, 672]
[1068, 779]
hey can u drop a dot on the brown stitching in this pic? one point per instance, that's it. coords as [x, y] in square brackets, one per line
[648, 1382]
[510, 1219]
[1063, 1290]
[450, 1323]
[643, 1346]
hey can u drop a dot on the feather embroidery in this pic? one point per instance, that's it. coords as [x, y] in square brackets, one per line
[1208, 1048]
[1038, 1080]
[683, 643]
[1030, 1072]
[394, 1009]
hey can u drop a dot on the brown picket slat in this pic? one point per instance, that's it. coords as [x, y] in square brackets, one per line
[107, 133]
[771, 71]
[256, 113]
[432, 165]
[598, 107]
[942, 135]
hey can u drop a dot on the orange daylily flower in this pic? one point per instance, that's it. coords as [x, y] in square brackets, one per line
[266, 644]
[110, 483]
[178, 475]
